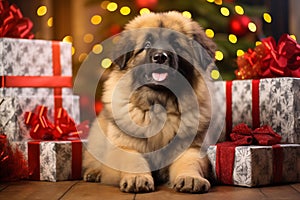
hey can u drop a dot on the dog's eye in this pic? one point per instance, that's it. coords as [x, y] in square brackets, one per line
[147, 45]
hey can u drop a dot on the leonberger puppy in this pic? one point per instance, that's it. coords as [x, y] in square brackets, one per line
[156, 108]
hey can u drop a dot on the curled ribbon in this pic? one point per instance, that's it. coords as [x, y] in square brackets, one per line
[12, 22]
[64, 127]
[269, 60]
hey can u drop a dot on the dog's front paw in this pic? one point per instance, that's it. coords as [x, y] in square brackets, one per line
[137, 183]
[191, 184]
[92, 175]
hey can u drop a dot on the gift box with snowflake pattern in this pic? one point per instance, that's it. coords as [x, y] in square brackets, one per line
[270, 101]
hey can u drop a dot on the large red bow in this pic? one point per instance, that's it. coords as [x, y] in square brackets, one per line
[12, 22]
[64, 127]
[269, 60]
[243, 135]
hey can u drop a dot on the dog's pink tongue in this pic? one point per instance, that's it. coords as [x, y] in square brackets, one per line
[159, 76]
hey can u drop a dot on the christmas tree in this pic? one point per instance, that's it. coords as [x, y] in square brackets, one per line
[233, 26]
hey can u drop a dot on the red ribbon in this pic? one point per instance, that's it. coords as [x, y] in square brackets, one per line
[12, 22]
[228, 108]
[270, 60]
[243, 135]
[64, 127]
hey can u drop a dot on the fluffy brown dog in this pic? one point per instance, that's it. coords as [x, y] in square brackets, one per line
[156, 108]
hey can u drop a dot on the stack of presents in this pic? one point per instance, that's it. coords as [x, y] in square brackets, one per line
[40, 115]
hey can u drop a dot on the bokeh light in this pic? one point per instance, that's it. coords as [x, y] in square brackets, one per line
[239, 10]
[144, 11]
[232, 38]
[209, 33]
[239, 52]
[97, 48]
[267, 17]
[225, 11]
[252, 27]
[105, 63]
[68, 39]
[41, 11]
[112, 6]
[125, 10]
[187, 14]
[219, 55]
[96, 19]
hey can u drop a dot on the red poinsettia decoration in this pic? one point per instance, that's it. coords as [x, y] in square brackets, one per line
[269, 60]
[12, 22]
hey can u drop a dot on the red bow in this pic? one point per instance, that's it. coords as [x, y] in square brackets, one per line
[64, 127]
[269, 60]
[12, 22]
[243, 135]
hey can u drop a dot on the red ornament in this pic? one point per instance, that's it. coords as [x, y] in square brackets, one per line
[146, 3]
[238, 25]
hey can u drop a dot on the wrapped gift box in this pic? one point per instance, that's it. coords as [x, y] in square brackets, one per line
[53, 160]
[270, 101]
[256, 165]
[35, 72]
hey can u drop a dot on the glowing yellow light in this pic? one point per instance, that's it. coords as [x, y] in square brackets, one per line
[187, 14]
[112, 6]
[215, 74]
[240, 52]
[225, 11]
[82, 57]
[219, 55]
[252, 27]
[125, 10]
[88, 38]
[116, 39]
[105, 63]
[218, 2]
[294, 37]
[73, 50]
[50, 22]
[144, 11]
[96, 19]
[104, 4]
[97, 49]
[232, 38]
[210, 1]
[68, 39]
[257, 43]
[209, 33]
[41, 11]
[267, 17]
[239, 10]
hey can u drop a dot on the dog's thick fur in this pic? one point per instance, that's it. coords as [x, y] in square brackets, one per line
[124, 161]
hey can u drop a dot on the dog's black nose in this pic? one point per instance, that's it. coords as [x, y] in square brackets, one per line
[160, 57]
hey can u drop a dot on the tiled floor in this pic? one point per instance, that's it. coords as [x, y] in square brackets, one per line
[70, 190]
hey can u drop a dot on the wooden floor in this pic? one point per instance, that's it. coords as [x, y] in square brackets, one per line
[70, 190]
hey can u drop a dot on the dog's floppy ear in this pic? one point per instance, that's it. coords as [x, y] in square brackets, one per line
[124, 48]
[200, 36]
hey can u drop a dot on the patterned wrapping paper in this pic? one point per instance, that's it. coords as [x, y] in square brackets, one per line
[22, 57]
[279, 105]
[53, 160]
[253, 165]
[12, 111]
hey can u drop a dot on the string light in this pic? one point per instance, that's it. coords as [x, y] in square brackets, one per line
[219, 55]
[41, 11]
[88, 38]
[240, 52]
[209, 33]
[112, 6]
[252, 27]
[215, 74]
[50, 22]
[225, 11]
[96, 19]
[144, 11]
[68, 39]
[232, 38]
[257, 43]
[218, 2]
[104, 4]
[97, 48]
[267, 17]
[105, 63]
[125, 10]
[187, 14]
[239, 10]
[82, 57]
